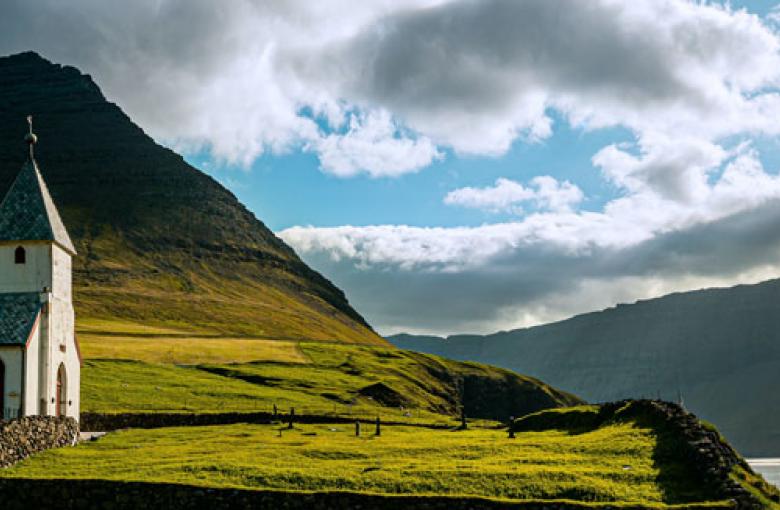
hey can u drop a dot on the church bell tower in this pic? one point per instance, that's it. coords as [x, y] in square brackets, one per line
[38, 350]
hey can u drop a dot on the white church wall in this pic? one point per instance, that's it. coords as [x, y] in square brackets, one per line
[63, 351]
[31, 276]
[12, 359]
[32, 362]
[61, 274]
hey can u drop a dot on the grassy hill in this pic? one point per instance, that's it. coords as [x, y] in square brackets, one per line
[718, 348]
[615, 455]
[160, 243]
[315, 378]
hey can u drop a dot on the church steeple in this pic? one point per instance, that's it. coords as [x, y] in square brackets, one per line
[37, 323]
[28, 213]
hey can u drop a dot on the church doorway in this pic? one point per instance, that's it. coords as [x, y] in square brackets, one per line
[62, 400]
[2, 390]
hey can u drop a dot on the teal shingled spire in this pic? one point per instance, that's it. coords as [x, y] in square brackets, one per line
[27, 213]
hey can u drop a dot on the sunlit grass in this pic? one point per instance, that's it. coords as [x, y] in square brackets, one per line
[189, 350]
[614, 463]
[317, 378]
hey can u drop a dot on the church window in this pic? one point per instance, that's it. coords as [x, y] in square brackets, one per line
[20, 256]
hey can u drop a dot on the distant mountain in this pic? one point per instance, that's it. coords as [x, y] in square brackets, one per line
[719, 348]
[160, 243]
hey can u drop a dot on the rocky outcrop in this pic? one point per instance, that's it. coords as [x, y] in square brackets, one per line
[25, 436]
[157, 239]
[384, 395]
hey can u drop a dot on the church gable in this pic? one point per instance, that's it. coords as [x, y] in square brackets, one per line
[18, 312]
[27, 213]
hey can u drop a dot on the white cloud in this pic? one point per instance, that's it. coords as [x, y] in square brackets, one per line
[674, 169]
[373, 144]
[508, 195]
[201, 74]
[473, 76]
[503, 197]
[478, 75]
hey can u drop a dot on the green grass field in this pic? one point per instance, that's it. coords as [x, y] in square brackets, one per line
[616, 463]
[315, 378]
[155, 369]
[190, 350]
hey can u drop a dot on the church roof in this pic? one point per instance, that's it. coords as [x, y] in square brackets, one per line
[27, 213]
[18, 312]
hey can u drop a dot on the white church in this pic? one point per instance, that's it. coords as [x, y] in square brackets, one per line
[40, 362]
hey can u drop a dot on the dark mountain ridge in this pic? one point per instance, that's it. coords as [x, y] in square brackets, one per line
[719, 349]
[159, 242]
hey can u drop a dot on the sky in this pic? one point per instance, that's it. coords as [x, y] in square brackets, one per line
[462, 166]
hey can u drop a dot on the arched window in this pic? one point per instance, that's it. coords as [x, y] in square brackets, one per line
[20, 256]
[62, 392]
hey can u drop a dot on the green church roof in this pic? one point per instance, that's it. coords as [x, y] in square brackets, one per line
[27, 213]
[18, 312]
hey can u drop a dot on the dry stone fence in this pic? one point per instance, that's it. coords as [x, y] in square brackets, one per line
[23, 437]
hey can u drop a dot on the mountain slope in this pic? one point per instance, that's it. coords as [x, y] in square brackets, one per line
[720, 348]
[159, 242]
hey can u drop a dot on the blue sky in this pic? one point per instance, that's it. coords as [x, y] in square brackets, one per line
[462, 165]
[290, 189]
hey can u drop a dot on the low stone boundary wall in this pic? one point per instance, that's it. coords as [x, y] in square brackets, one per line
[23, 437]
[709, 456]
[100, 422]
[707, 451]
[23, 494]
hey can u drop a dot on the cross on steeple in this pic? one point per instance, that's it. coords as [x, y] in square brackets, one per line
[30, 137]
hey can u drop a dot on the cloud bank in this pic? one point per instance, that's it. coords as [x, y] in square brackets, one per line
[382, 86]
[557, 262]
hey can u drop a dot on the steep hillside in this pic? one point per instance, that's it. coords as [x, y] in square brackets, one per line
[159, 242]
[720, 348]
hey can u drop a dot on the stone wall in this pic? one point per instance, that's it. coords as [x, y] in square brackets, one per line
[708, 456]
[706, 450]
[23, 437]
[21, 494]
